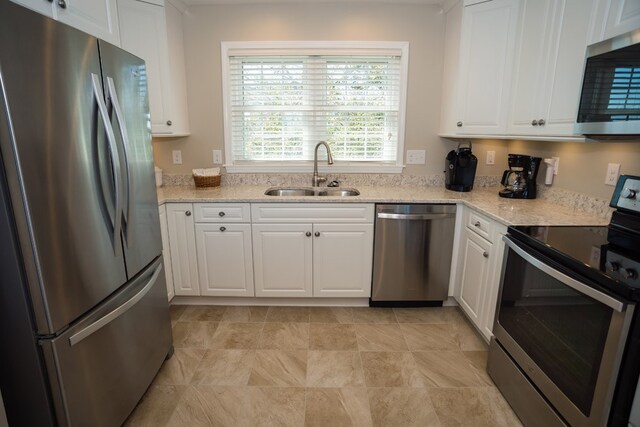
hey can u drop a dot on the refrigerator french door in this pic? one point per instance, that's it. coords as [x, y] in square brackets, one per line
[81, 240]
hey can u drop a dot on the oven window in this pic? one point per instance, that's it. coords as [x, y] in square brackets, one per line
[562, 330]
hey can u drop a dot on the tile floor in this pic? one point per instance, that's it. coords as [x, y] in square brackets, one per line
[295, 366]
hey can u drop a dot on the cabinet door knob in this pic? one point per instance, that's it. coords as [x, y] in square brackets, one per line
[477, 224]
[62, 4]
[188, 213]
[221, 214]
[485, 254]
[459, 124]
[534, 123]
[541, 122]
[308, 234]
[223, 229]
[317, 234]
[169, 122]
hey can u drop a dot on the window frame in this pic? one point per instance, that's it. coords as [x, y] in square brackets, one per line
[261, 48]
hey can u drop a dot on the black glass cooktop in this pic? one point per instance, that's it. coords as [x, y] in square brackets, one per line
[609, 258]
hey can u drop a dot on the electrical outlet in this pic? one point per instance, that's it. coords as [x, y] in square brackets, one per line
[177, 157]
[217, 157]
[613, 170]
[491, 157]
[415, 157]
[556, 165]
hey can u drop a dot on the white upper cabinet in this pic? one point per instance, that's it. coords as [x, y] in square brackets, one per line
[549, 61]
[615, 17]
[96, 17]
[154, 33]
[484, 67]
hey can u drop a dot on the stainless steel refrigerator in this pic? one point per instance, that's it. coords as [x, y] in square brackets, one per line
[84, 319]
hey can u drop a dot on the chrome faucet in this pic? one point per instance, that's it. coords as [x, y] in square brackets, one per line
[318, 179]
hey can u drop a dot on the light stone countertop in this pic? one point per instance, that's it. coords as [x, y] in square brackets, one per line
[486, 200]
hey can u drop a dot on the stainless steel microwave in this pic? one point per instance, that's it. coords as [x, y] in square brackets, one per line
[610, 98]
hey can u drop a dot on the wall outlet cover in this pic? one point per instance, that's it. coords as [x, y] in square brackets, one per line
[491, 157]
[217, 157]
[556, 165]
[613, 170]
[177, 157]
[416, 157]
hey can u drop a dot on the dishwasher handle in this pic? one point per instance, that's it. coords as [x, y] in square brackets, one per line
[412, 217]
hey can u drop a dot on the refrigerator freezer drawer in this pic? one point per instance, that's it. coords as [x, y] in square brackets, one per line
[102, 365]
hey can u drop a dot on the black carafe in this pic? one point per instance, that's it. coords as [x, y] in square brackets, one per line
[460, 170]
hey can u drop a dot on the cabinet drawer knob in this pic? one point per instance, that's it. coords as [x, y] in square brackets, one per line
[534, 123]
[169, 122]
[308, 234]
[188, 213]
[459, 124]
[62, 4]
[485, 254]
[541, 122]
[317, 234]
[223, 229]
[477, 224]
[221, 213]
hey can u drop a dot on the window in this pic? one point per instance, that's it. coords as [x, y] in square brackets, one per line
[281, 99]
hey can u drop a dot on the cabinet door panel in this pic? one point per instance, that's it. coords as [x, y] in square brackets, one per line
[225, 263]
[474, 275]
[283, 260]
[96, 17]
[342, 260]
[182, 242]
[624, 15]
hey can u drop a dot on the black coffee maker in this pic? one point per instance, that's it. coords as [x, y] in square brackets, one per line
[519, 180]
[460, 169]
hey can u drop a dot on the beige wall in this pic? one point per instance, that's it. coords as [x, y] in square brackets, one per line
[206, 26]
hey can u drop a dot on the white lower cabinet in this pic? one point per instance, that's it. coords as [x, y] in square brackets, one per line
[477, 275]
[307, 250]
[182, 243]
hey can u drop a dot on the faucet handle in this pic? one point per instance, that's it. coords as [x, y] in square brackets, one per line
[334, 183]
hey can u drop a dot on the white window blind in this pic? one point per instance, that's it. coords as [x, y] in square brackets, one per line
[281, 105]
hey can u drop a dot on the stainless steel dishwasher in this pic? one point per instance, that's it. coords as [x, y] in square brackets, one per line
[412, 254]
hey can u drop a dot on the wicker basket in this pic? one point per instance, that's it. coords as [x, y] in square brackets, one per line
[207, 181]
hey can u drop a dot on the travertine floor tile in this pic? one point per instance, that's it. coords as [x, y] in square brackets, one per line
[332, 336]
[204, 405]
[462, 406]
[274, 406]
[426, 314]
[373, 315]
[175, 311]
[237, 335]
[423, 337]
[194, 334]
[179, 370]
[478, 360]
[337, 407]
[206, 313]
[240, 314]
[468, 338]
[156, 406]
[334, 369]
[390, 369]
[279, 368]
[284, 336]
[331, 314]
[401, 407]
[225, 367]
[446, 369]
[380, 338]
[501, 412]
[288, 314]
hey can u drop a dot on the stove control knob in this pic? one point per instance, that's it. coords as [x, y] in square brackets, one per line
[630, 273]
[613, 266]
[628, 193]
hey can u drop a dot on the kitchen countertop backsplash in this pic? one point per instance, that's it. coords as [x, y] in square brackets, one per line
[552, 207]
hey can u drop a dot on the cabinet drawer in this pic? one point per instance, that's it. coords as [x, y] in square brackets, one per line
[222, 212]
[479, 224]
[312, 212]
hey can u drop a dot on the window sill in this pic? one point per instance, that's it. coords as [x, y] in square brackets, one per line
[308, 168]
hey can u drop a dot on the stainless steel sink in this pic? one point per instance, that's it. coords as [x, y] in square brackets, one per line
[307, 191]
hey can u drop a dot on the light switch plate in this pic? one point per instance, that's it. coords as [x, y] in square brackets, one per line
[491, 157]
[217, 157]
[416, 157]
[613, 170]
[177, 157]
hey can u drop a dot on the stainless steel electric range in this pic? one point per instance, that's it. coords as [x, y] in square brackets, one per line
[566, 349]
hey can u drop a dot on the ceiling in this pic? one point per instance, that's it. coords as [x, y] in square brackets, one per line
[208, 2]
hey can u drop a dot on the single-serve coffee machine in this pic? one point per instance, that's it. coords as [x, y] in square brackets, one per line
[519, 180]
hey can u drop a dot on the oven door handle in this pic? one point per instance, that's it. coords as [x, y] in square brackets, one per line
[572, 283]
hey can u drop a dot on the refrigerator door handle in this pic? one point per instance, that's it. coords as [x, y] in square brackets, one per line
[113, 97]
[115, 162]
[117, 312]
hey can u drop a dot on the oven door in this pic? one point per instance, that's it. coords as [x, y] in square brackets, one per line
[565, 335]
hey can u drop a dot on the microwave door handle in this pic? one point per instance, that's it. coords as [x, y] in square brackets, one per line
[115, 162]
[572, 283]
[125, 149]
